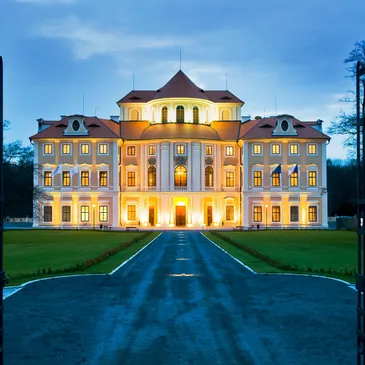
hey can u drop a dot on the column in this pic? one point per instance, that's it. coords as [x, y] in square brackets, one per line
[164, 166]
[190, 165]
[115, 217]
[172, 165]
[245, 209]
[141, 168]
[158, 168]
[202, 171]
[196, 168]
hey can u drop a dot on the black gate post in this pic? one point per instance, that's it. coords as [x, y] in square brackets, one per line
[360, 276]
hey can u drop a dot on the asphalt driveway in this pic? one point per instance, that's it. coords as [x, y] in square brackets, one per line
[181, 301]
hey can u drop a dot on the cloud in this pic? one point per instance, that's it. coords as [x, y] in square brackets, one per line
[47, 2]
[87, 41]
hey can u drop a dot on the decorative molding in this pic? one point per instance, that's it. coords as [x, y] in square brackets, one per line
[286, 128]
[152, 160]
[165, 146]
[81, 131]
[209, 161]
[180, 160]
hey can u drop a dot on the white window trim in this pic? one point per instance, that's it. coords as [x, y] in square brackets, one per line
[225, 178]
[280, 147]
[280, 176]
[262, 149]
[262, 213]
[134, 169]
[294, 204]
[103, 169]
[84, 169]
[107, 149]
[126, 207]
[292, 187]
[257, 168]
[66, 154]
[294, 154]
[205, 149]
[86, 204]
[48, 154]
[48, 204]
[52, 177]
[102, 204]
[185, 149]
[135, 150]
[313, 168]
[225, 212]
[225, 150]
[309, 204]
[148, 149]
[66, 204]
[66, 168]
[312, 154]
[85, 154]
[276, 204]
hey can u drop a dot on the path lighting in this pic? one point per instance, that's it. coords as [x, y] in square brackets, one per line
[266, 206]
[94, 216]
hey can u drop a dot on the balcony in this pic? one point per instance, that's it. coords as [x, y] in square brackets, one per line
[180, 188]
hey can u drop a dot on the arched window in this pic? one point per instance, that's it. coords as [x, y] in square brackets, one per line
[209, 176]
[152, 176]
[226, 114]
[164, 115]
[180, 114]
[180, 176]
[195, 114]
[134, 114]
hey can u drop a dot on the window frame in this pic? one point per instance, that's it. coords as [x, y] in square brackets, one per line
[81, 178]
[273, 178]
[134, 211]
[209, 177]
[309, 178]
[48, 177]
[308, 148]
[272, 149]
[85, 213]
[261, 149]
[316, 213]
[106, 178]
[180, 114]
[106, 149]
[164, 109]
[67, 213]
[254, 178]
[131, 178]
[88, 149]
[275, 213]
[153, 147]
[67, 178]
[196, 115]
[131, 148]
[44, 213]
[64, 145]
[179, 146]
[255, 214]
[290, 213]
[227, 149]
[233, 212]
[100, 213]
[294, 176]
[183, 180]
[207, 148]
[298, 149]
[152, 171]
[229, 179]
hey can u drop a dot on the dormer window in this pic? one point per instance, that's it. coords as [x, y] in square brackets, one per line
[75, 125]
[180, 114]
[284, 125]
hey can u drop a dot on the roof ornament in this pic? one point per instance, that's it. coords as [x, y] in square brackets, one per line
[180, 59]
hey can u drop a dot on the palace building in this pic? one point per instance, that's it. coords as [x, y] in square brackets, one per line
[180, 156]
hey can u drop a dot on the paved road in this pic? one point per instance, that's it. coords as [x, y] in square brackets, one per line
[147, 314]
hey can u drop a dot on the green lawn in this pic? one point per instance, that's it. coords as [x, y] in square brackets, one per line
[311, 251]
[26, 252]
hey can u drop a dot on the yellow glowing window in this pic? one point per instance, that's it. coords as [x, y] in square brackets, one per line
[47, 178]
[152, 176]
[85, 148]
[84, 213]
[209, 150]
[257, 149]
[66, 178]
[312, 213]
[257, 178]
[131, 211]
[275, 214]
[180, 176]
[209, 176]
[103, 213]
[131, 150]
[103, 149]
[294, 214]
[47, 214]
[180, 149]
[84, 178]
[47, 149]
[257, 214]
[66, 149]
[229, 179]
[131, 178]
[275, 179]
[66, 213]
[312, 178]
[294, 179]
[229, 151]
[103, 178]
[275, 149]
[294, 149]
[152, 149]
[312, 149]
[229, 213]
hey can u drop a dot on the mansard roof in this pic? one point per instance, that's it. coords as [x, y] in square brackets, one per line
[180, 86]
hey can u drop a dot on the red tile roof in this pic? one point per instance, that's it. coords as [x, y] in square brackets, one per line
[262, 129]
[180, 86]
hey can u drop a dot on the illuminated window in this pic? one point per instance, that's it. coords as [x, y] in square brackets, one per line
[47, 149]
[229, 213]
[164, 115]
[66, 213]
[294, 149]
[275, 179]
[66, 178]
[180, 149]
[180, 114]
[103, 213]
[84, 213]
[257, 214]
[131, 209]
[229, 151]
[152, 149]
[47, 214]
[66, 149]
[208, 150]
[152, 176]
[47, 178]
[294, 179]
[85, 149]
[312, 149]
[229, 179]
[275, 149]
[257, 178]
[131, 150]
[209, 176]
[312, 213]
[134, 114]
[131, 178]
[276, 214]
[294, 213]
[84, 178]
[312, 178]
[103, 149]
[103, 178]
[195, 114]
[257, 149]
[180, 176]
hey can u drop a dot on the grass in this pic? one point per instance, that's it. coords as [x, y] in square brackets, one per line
[28, 253]
[331, 253]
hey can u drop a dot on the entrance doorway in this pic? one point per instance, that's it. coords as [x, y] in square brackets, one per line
[209, 216]
[180, 216]
[151, 216]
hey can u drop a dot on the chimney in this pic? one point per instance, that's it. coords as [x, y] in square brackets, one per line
[258, 117]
